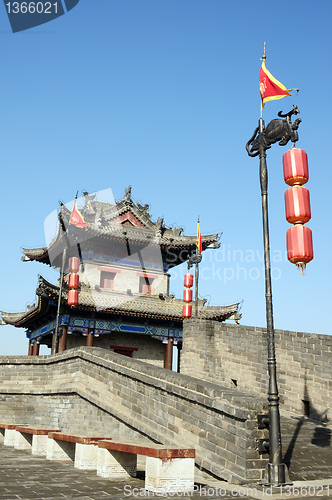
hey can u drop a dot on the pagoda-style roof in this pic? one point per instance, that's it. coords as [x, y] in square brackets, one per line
[157, 307]
[124, 222]
[34, 312]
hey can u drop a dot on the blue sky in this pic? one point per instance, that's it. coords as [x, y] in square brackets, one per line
[163, 95]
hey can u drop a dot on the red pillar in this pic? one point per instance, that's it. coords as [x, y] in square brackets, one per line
[30, 348]
[63, 339]
[169, 352]
[53, 340]
[35, 351]
[89, 339]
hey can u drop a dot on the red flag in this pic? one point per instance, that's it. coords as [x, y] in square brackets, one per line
[199, 240]
[76, 218]
[270, 88]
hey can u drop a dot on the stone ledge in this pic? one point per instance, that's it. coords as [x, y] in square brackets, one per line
[175, 383]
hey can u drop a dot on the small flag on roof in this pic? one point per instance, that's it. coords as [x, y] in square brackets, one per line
[76, 217]
[199, 239]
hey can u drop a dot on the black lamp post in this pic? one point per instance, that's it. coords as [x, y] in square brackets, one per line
[281, 131]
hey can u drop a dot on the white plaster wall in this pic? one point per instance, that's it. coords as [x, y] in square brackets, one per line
[128, 278]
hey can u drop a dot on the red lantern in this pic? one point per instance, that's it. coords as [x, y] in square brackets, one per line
[299, 246]
[187, 295]
[188, 280]
[295, 163]
[74, 265]
[73, 298]
[297, 202]
[73, 281]
[187, 310]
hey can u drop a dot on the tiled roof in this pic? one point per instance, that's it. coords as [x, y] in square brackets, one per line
[149, 306]
[22, 318]
[106, 224]
[140, 305]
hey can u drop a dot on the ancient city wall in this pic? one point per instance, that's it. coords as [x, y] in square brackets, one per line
[235, 356]
[98, 391]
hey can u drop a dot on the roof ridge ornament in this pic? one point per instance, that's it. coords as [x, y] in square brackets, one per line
[89, 207]
[128, 193]
[160, 226]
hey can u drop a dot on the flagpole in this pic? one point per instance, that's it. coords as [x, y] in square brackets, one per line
[195, 258]
[263, 59]
[262, 140]
[197, 261]
[196, 290]
[63, 263]
[276, 473]
[56, 331]
[78, 244]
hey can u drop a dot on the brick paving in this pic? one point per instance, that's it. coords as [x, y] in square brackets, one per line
[307, 448]
[23, 476]
[307, 451]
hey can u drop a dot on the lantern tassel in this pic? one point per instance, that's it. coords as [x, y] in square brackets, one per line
[301, 267]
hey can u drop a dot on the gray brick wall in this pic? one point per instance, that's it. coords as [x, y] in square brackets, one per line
[70, 413]
[236, 354]
[92, 389]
